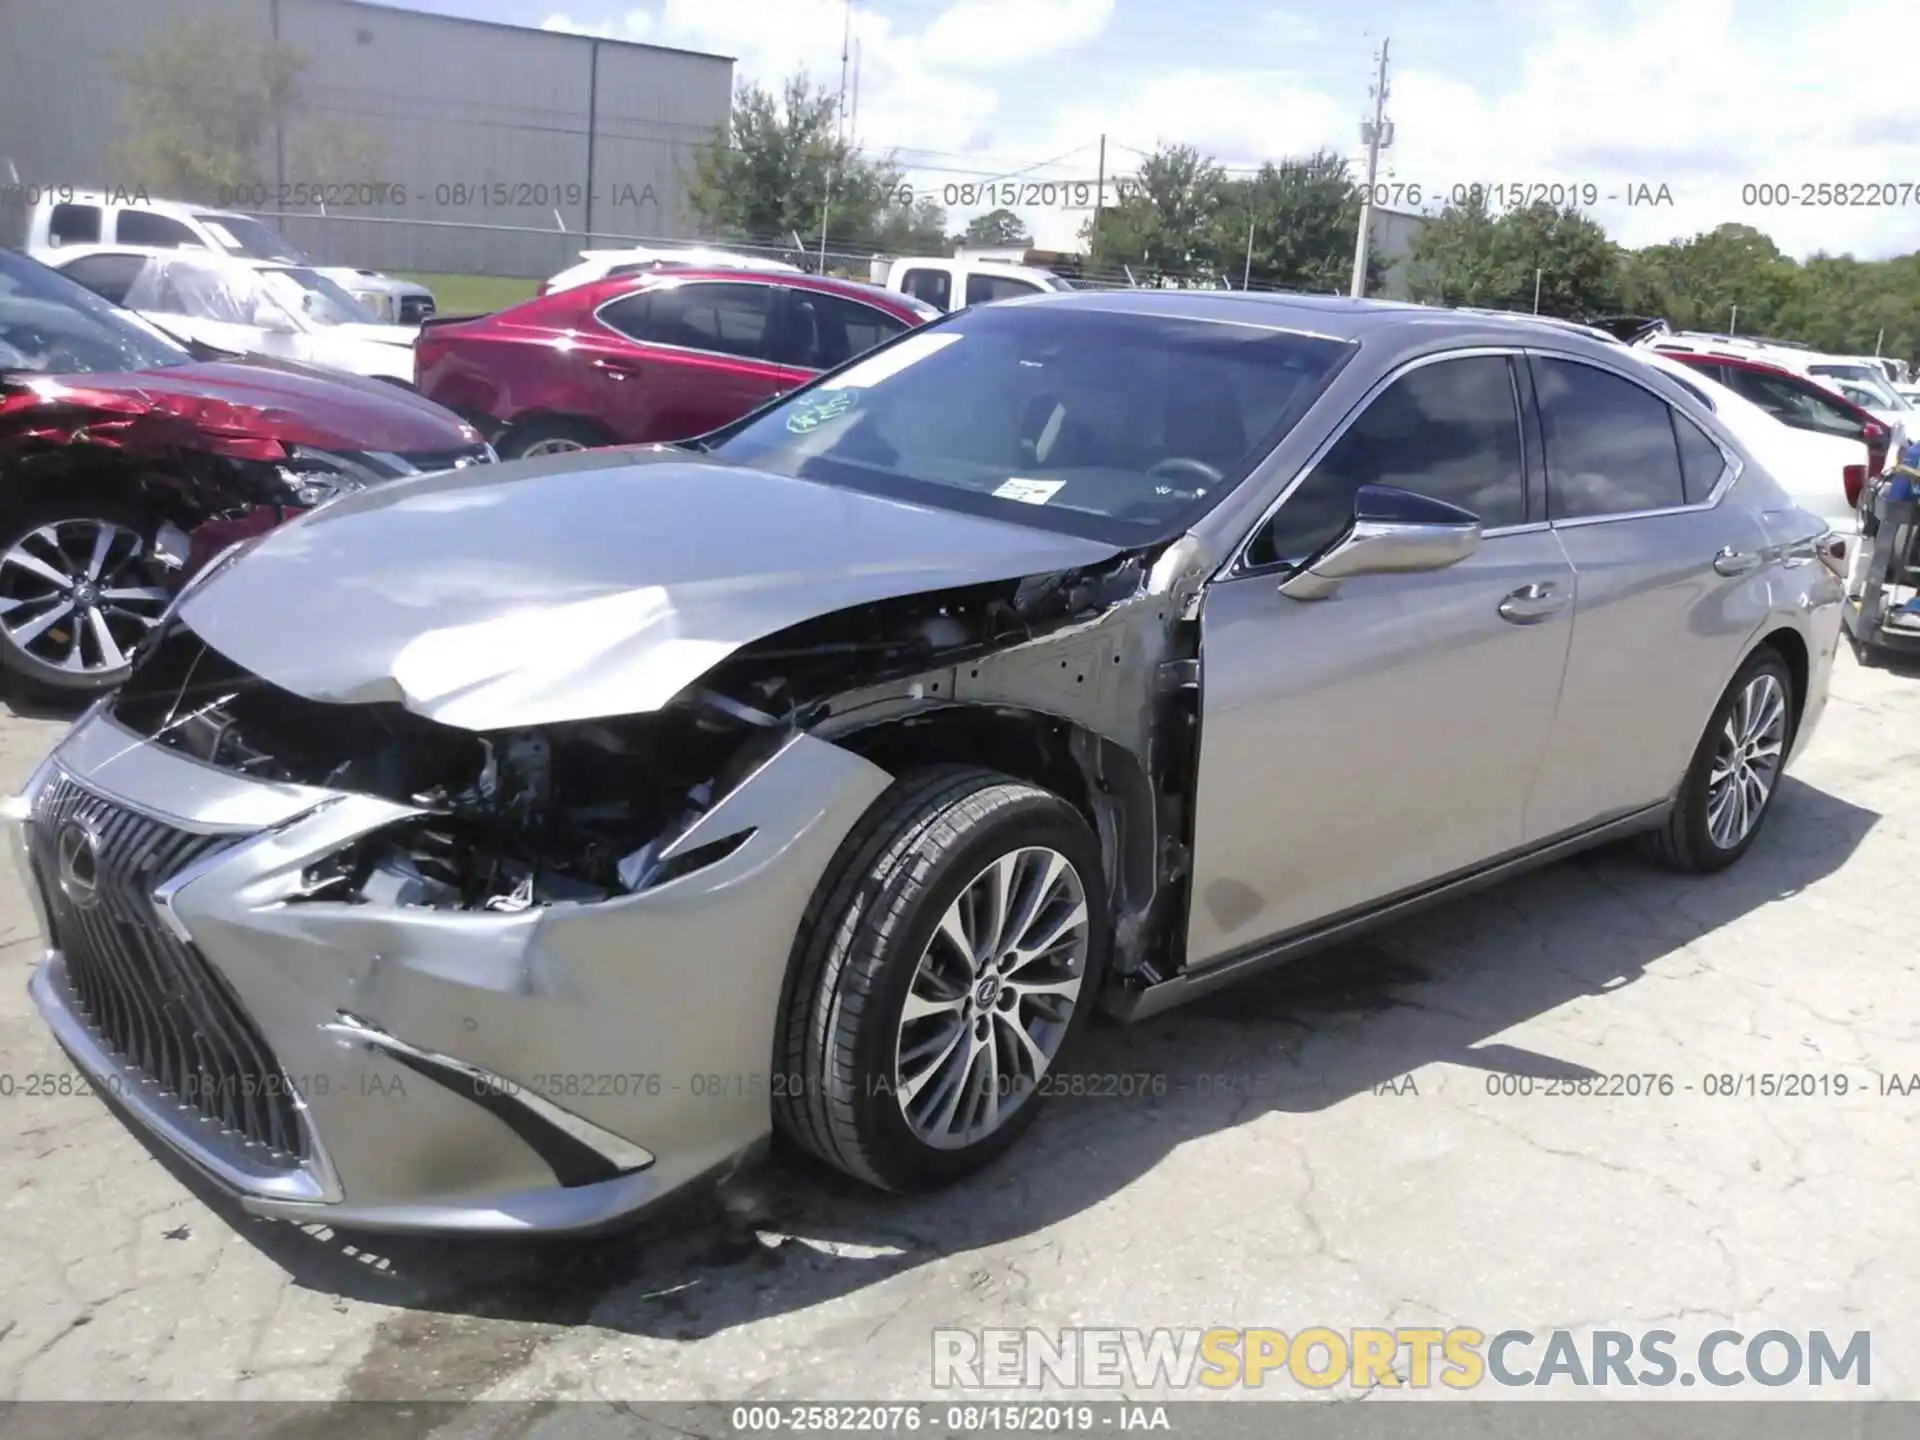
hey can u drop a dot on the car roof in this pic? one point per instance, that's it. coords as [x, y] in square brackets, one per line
[1338, 317]
[1766, 367]
[793, 279]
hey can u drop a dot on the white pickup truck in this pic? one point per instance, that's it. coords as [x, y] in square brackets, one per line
[131, 220]
[950, 284]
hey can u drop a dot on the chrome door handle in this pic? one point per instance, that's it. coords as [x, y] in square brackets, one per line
[1534, 602]
[1735, 562]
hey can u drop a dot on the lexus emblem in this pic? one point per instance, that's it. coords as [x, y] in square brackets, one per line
[79, 864]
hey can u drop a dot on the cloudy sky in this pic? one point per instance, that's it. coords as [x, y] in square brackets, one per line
[1702, 97]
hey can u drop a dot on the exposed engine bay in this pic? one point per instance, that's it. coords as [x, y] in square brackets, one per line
[1041, 676]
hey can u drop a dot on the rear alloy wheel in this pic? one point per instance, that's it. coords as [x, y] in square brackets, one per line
[1729, 787]
[948, 961]
[75, 597]
[549, 437]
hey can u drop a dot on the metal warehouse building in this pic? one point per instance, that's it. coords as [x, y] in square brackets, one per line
[482, 141]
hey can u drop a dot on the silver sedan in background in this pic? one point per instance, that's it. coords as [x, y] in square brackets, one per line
[508, 848]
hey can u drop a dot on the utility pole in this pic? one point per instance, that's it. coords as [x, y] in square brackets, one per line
[1099, 195]
[1536, 291]
[1378, 133]
[1246, 275]
[840, 109]
[853, 119]
[1733, 323]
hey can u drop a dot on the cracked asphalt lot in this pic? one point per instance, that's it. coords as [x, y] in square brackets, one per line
[1352, 1165]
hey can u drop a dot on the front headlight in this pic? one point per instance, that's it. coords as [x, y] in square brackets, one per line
[313, 477]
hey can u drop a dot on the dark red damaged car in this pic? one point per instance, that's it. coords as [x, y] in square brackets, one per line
[125, 462]
[651, 358]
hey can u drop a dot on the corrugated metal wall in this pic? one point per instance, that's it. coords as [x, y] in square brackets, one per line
[483, 129]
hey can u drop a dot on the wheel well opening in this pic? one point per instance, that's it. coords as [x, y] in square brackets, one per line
[1109, 791]
[1793, 650]
[534, 418]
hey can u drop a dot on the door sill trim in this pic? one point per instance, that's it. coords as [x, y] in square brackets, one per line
[1267, 954]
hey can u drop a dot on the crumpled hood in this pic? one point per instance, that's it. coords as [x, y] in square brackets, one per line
[578, 586]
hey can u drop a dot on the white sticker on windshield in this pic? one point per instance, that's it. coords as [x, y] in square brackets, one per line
[1030, 492]
[910, 351]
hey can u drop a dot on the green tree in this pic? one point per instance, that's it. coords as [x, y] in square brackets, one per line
[913, 226]
[779, 167]
[1166, 219]
[204, 104]
[1697, 282]
[1469, 255]
[1303, 216]
[997, 228]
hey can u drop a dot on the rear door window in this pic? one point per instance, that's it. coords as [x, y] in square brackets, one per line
[722, 319]
[1795, 402]
[824, 330]
[933, 286]
[108, 276]
[143, 227]
[985, 289]
[1610, 444]
[74, 225]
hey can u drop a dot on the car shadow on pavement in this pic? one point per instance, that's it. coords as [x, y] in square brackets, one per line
[787, 1234]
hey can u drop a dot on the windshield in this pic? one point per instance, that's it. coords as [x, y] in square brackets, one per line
[1864, 385]
[309, 293]
[1119, 427]
[50, 325]
[242, 235]
[201, 289]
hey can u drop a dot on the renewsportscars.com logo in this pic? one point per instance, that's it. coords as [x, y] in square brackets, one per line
[1321, 1358]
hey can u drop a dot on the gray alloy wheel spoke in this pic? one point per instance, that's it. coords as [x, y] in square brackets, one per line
[26, 634]
[112, 657]
[991, 998]
[1752, 745]
[551, 447]
[102, 542]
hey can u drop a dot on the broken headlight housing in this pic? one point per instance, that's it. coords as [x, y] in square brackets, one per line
[313, 477]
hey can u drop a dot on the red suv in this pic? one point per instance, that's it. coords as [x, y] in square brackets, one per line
[124, 460]
[663, 356]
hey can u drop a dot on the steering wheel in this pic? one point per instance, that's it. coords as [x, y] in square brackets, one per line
[1175, 465]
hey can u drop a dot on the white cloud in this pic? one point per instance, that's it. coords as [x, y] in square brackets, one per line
[1689, 95]
[1609, 94]
[990, 34]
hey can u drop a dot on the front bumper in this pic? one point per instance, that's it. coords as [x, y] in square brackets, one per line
[551, 1070]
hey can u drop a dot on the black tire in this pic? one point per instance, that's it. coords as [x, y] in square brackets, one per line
[1685, 842]
[36, 663]
[578, 434]
[860, 944]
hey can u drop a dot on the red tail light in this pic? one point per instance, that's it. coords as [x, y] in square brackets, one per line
[1854, 477]
[1877, 438]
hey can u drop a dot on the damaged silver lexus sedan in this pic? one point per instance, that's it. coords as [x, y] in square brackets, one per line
[507, 848]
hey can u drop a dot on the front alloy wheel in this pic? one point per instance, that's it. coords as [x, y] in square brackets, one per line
[993, 997]
[949, 957]
[75, 598]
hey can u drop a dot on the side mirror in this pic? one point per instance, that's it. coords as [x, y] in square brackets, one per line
[1393, 532]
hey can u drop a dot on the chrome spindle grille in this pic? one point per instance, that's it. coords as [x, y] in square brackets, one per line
[149, 996]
